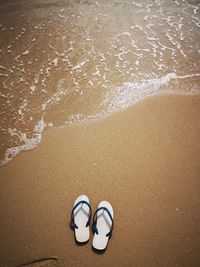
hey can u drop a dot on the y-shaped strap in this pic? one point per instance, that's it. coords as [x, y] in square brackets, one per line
[94, 223]
[72, 214]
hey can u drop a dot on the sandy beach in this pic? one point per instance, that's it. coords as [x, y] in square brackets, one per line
[144, 160]
[100, 98]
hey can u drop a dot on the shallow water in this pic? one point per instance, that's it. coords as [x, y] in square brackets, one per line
[64, 62]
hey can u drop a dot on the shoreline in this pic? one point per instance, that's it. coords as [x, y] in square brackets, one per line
[41, 126]
[144, 160]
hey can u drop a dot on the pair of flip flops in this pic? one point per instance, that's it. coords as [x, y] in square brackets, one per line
[102, 222]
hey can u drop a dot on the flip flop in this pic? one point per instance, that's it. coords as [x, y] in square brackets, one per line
[80, 219]
[102, 225]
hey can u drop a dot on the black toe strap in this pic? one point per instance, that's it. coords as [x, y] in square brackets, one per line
[72, 223]
[94, 223]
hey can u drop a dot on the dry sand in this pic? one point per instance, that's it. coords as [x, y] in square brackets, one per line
[144, 160]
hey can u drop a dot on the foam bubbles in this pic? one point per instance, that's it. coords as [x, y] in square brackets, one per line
[27, 143]
[122, 97]
[26, 52]
[127, 94]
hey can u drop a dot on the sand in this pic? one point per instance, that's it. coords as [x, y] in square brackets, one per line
[65, 60]
[144, 160]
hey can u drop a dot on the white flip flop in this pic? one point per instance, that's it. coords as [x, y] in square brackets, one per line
[102, 225]
[80, 219]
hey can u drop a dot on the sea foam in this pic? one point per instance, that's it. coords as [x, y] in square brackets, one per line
[28, 143]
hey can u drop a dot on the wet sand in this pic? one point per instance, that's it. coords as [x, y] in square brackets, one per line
[144, 160]
[64, 61]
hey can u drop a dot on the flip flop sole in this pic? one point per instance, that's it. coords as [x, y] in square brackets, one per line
[100, 240]
[82, 234]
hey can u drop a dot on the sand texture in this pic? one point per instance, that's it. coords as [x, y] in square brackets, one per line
[65, 61]
[145, 161]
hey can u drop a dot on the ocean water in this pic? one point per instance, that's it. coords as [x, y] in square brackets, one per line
[66, 62]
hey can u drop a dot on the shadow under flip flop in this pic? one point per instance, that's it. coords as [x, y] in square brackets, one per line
[99, 252]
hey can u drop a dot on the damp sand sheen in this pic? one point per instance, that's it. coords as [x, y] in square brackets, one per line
[100, 98]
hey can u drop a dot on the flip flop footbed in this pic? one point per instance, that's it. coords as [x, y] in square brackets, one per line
[81, 215]
[103, 225]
